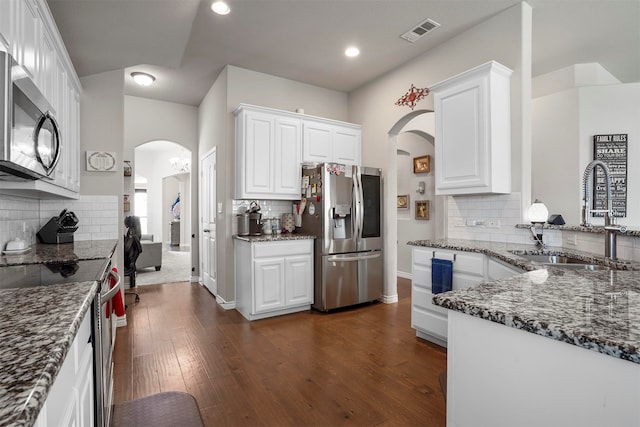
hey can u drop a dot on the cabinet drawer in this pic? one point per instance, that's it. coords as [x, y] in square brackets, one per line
[282, 248]
[430, 322]
[423, 299]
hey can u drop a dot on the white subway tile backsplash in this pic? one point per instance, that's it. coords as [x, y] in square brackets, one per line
[22, 217]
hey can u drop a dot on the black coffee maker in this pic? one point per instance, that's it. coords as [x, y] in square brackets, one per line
[59, 229]
[255, 226]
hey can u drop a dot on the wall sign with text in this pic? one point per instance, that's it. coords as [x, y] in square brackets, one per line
[612, 150]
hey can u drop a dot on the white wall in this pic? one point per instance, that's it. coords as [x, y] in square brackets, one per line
[102, 129]
[564, 125]
[408, 227]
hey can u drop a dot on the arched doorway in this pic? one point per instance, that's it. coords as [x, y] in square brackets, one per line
[420, 123]
[166, 216]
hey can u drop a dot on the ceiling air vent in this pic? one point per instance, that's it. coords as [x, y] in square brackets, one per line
[420, 30]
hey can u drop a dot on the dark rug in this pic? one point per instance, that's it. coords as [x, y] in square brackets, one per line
[168, 409]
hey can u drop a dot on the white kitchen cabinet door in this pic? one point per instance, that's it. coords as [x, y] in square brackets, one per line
[346, 145]
[330, 142]
[473, 131]
[268, 155]
[7, 13]
[298, 280]
[259, 146]
[287, 157]
[428, 319]
[317, 142]
[26, 46]
[269, 276]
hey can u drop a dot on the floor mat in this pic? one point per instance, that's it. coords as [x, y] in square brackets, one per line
[166, 409]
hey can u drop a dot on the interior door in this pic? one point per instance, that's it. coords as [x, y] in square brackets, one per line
[208, 202]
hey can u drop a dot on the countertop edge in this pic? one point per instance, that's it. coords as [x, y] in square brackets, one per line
[271, 238]
[27, 413]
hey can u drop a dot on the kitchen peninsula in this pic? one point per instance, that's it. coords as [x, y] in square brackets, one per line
[553, 346]
[39, 325]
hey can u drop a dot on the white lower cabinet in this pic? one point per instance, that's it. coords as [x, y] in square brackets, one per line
[70, 399]
[469, 268]
[273, 277]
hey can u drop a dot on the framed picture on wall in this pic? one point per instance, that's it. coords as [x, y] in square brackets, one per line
[403, 201]
[422, 209]
[422, 164]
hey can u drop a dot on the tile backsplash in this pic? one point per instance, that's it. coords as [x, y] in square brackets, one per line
[268, 208]
[22, 217]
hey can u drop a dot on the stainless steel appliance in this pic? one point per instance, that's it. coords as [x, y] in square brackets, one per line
[103, 334]
[29, 134]
[344, 211]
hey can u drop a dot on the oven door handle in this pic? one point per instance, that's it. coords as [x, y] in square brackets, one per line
[107, 296]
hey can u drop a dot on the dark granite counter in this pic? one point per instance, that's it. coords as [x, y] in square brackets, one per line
[596, 310]
[274, 237]
[41, 253]
[38, 326]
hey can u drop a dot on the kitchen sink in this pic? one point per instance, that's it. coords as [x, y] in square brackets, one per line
[561, 261]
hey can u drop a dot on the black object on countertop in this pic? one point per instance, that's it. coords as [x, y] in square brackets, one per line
[59, 229]
[556, 219]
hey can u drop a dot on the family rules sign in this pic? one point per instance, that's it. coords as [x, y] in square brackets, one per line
[612, 150]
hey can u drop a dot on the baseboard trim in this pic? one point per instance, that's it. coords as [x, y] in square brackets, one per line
[121, 321]
[224, 304]
[404, 275]
[389, 299]
[194, 279]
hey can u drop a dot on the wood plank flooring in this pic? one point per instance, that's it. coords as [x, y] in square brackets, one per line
[361, 366]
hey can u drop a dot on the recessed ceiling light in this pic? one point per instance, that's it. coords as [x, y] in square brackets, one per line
[143, 79]
[220, 7]
[352, 51]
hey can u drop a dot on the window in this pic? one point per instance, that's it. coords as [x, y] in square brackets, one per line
[140, 203]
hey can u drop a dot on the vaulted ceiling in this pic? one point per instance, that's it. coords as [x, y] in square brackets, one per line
[186, 46]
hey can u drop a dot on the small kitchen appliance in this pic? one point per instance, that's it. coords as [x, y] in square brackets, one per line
[59, 229]
[243, 224]
[255, 226]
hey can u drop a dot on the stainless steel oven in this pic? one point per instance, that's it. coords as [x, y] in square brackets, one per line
[29, 133]
[104, 333]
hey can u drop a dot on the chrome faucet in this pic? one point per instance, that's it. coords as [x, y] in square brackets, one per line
[610, 228]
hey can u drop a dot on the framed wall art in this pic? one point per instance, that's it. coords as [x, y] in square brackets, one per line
[422, 209]
[422, 164]
[101, 161]
[403, 201]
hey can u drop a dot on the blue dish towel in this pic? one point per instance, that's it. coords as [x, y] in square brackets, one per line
[441, 275]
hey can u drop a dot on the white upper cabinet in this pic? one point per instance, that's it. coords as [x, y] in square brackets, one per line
[28, 33]
[267, 154]
[473, 131]
[330, 141]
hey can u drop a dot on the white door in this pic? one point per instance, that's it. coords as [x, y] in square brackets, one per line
[208, 203]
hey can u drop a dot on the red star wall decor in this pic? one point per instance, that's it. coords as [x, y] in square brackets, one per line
[412, 96]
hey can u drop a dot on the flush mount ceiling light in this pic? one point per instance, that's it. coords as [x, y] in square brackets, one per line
[352, 51]
[143, 79]
[220, 7]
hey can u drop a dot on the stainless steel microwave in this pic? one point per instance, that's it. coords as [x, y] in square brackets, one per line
[30, 139]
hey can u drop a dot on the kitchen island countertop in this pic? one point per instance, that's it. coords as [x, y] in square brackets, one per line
[37, 327]
[596, 310]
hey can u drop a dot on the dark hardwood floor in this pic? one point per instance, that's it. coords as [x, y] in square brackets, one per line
[361, 366]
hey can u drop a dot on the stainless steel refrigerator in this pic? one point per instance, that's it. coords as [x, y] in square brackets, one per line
[344, 211]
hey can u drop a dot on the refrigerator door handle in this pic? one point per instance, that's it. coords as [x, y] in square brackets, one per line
[342, 258]
[360, 210]
[356, 209]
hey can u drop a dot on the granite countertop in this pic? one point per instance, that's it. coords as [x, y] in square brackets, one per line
[42, 253]
[596, 310]
[37, 328]
[274, 238]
